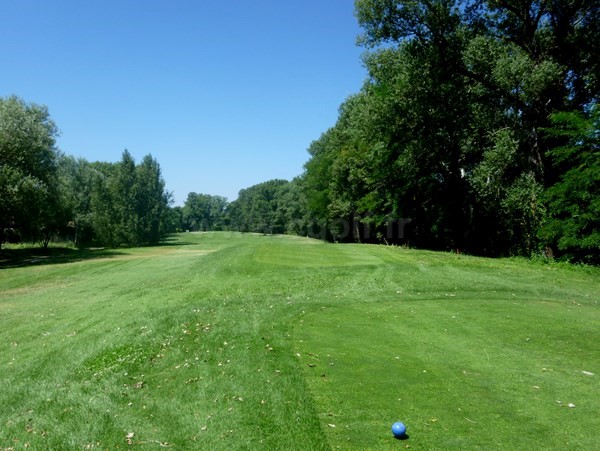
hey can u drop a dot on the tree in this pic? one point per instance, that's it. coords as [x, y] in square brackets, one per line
[174, 222]
[129, 202]
[573, 225]
[104, 205]
[317, 176]
[566, 32]
[204, 212]
[78, 178]
[402, 153]
[291, 207]
[151, 202]
[256, 208]
[447, 129]
[28, 166]
[123, 187]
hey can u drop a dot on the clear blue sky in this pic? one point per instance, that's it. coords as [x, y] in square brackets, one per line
[223, 93]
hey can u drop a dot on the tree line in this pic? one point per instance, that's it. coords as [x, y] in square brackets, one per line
[460, 124]
[45, 194]
[476, 130]
[272, 207]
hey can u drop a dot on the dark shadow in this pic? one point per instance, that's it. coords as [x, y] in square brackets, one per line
[402, 437]
[172, 243]
[16, 258]
[172, 240]
[165, 242]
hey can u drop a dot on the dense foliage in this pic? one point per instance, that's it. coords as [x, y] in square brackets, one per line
[44, 194]
[449, 129]
[274, 206]
[573, 222]
[128, 203]
[29, 194]
[203, 212]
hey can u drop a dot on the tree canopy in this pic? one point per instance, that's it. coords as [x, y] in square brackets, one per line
[44, 193]
[204, 212]
[28, 169]
[448, 129]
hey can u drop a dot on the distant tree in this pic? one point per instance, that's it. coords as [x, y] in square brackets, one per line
[291, 209]
[204, 212]
[317, 177]
[28, 167]
[174, 222]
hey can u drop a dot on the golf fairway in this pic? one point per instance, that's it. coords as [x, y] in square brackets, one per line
[231, 341]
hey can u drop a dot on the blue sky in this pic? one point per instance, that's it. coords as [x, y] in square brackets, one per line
[224, 94]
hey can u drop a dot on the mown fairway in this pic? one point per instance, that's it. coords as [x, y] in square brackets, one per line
[229, 341]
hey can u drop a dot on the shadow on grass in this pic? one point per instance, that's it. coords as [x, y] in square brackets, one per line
[16, 258]
[402, 437]
[173, 242]
[30, 256]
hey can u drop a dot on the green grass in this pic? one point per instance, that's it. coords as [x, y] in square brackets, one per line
[229, 341]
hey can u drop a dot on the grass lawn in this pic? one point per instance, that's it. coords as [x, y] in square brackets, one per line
[230, 341]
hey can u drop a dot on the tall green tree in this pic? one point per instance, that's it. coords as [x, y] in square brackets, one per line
[78, 178]
[129, 202]
[412, 155]
[151, 202]
[123, 187]
[317, 177]
[105, 212]
[573, 226]
[28, 167]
